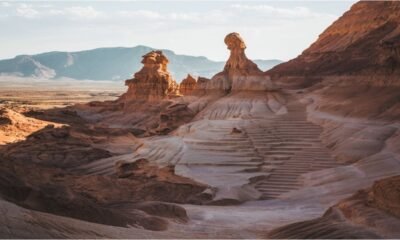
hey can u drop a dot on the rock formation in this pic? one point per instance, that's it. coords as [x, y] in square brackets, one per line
[323, 159]
[191, 86]
[15, 126]
[174, 116]
[385, 195]
[369, 213]
[364, 41]
[239, 72]
[187, 86]
[153, 82]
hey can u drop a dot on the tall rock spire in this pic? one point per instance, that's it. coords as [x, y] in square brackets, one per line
[239, 73]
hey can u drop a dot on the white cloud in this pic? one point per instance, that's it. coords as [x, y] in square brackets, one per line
[215, 16]
[154, 15]
[295, 12]
[76, 12]
[26, 11]
[45, 6]
[140, 14]
[5, 4]
[56, 12]
[84, 12]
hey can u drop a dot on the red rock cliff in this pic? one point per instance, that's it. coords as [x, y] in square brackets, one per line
[364, 41]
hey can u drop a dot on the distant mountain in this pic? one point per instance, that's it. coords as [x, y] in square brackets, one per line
[117, 63]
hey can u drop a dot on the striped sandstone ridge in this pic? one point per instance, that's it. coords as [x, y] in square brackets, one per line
[364, 43]
[369, 213]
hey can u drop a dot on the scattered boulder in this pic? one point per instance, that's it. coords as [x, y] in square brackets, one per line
[385, 195]
[236, 131]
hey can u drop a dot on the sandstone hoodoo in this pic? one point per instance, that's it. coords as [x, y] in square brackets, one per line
[239, 73]
[193, 86]
[187, 85]
[153, 82]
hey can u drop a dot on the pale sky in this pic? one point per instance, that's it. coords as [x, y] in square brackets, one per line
[271, 29]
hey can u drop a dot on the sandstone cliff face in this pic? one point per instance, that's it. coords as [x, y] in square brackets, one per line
[153, 82]
[239, 72]
[364, 41]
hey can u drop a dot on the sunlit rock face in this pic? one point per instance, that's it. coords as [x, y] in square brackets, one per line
[239, 72]
[187, 85]
[153, 82]
[364, 42]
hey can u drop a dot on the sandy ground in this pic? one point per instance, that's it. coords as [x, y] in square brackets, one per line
[41, 93]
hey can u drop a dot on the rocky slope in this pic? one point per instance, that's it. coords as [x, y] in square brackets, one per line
[15, 126]
[370, 213]
[364, 42]
[350, 79]
[56, 186]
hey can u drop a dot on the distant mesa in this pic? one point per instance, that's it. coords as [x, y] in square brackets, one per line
[240, 73]
[153, 82]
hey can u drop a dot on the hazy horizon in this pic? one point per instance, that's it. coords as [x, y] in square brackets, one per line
[271, 30]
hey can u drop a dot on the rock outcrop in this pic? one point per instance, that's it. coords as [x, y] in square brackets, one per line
[364, 41]
[369, 213]
[202, 83]
[174, 116]
[188, 85]
[15, 126]
[385, 195]
[193, 86]
[239, 73]
[153, 82]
